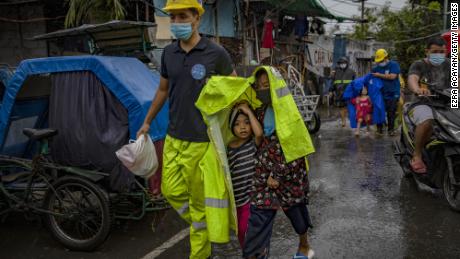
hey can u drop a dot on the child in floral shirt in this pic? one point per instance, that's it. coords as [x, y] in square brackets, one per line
[277, 185]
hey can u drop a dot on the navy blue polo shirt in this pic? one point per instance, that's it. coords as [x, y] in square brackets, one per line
[187, 73]
[391, 88]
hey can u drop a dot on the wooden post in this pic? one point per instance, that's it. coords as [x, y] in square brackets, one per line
[243, 31]
[147, 15]
[257, 38]
[137, 11]
[216, 23]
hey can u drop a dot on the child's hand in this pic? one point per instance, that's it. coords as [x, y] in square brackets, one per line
[244, 108]
[272, 183]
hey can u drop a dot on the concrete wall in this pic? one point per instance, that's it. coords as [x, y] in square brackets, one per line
[321, 53]
[15, 37]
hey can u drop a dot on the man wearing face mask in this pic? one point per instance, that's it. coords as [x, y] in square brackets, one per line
[191, 180]
[432, 72]
[341, 78]
[388, 70]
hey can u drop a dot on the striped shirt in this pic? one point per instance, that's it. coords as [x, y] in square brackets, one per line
[242, 166]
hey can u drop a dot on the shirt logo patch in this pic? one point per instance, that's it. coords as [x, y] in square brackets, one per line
[198, 71]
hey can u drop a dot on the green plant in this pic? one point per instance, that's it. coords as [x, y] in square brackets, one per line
[93, 11]
[407, 29]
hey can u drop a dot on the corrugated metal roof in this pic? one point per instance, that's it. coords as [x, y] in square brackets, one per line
[307, 7]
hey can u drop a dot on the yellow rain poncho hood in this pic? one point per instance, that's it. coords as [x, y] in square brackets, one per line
[220, 94]
[290, 128]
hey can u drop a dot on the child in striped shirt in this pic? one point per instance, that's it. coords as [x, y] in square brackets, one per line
[241, 158]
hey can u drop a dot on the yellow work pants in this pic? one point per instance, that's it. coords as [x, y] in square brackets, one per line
[182, 185]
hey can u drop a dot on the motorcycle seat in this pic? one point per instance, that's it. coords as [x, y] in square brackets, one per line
[13, 176]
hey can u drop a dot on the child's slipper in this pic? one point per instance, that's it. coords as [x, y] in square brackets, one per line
[299, 255]
[418, 166]
[265, 254]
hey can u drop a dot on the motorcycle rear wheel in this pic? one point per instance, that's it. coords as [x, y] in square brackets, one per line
[404, 159]
[314, 124]
[451, 192]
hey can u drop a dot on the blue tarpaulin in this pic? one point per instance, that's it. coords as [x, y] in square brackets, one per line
[374, 86]
[129, 80]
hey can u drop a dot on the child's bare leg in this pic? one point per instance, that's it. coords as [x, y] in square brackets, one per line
[304, 246]
[368, 122]
[343, 114]
[358, 127]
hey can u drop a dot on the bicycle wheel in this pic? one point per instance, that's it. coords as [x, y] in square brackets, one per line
[80, 213]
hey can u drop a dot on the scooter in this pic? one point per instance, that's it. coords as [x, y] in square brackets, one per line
[442, 154]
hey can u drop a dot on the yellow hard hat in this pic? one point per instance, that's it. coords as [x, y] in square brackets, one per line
[184, 4]
[380, 55]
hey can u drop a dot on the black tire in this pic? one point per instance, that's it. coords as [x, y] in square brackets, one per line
[404, 159]
[86, 222]
[450, 193]
[407, 173]
[314, 124]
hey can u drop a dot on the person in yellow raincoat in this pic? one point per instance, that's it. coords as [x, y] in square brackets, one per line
[193, 181]
[285, 184]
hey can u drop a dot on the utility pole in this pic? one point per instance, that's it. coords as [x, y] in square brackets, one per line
[362, 16]
[362, 13]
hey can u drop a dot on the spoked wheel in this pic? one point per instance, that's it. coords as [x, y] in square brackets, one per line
[79, 215]
[452, 192]
[314, 124]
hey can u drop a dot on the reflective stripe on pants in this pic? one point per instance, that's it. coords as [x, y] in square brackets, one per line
[216, 203]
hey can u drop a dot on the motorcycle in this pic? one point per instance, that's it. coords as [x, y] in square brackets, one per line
[442, 154]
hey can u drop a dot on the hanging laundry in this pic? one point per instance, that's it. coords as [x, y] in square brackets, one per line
[267, 41]
[301, 26]
[317, 26]
[287, 25]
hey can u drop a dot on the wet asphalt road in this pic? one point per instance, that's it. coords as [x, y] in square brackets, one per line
[361, 207]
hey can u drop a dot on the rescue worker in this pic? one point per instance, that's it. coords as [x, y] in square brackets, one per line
[342, 76]
[189, 160]
[388, 70]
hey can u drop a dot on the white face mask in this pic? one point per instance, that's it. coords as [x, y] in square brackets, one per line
[436, 58]
[383, 64]
[343, 66]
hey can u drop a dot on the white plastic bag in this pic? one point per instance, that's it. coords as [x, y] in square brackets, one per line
[139, 157]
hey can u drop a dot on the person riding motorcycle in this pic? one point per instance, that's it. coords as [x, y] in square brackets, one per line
[341, 78]
[426, 75]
